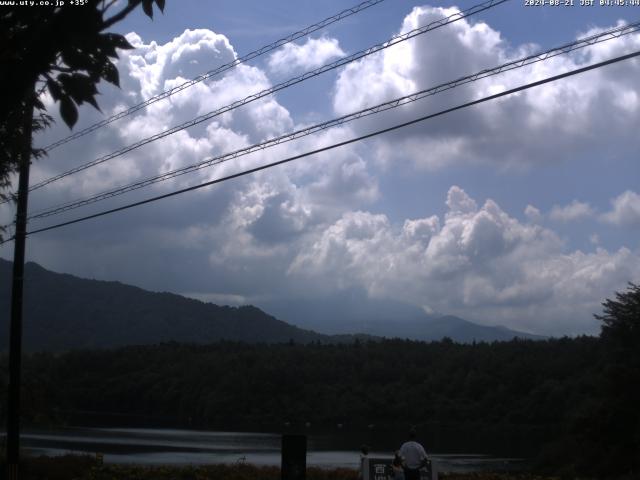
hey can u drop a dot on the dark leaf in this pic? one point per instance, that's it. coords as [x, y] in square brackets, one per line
[106, 45]
[37, 103]
[68, 111]
[160, 4]
[116, 40]
[75, 59]
[95, 76]
[98, 60]
[54, 89]
[147, 6]
[38, 153]
[81, 87]
[63, 80]
[101, 59]
[92, 101]
[110, 74]
[41, 120]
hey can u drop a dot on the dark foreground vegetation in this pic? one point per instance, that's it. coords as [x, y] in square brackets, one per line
[78, 467]
[516, 395]
[85, 468]
[572, 404]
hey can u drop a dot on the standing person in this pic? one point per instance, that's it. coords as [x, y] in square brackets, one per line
[397, 466]
[414, 457]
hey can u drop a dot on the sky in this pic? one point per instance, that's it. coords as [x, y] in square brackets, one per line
[523, 211]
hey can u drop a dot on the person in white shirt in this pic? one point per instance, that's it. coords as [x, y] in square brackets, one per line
[414, 457]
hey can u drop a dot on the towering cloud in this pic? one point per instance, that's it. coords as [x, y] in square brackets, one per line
[552, 123]
[477, 261]
[365, 215]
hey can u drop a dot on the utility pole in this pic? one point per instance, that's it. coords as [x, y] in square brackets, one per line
[15, 338]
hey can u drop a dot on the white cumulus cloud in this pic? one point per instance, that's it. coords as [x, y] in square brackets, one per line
[315, 224]
[550, 123]
[533, 213]
[314, 53]
[625, 210]
[478, 262]
[574, 211]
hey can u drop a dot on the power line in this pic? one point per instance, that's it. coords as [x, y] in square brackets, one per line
[288, 83]
[528, 60]
[325, 68]
[221, 69]
[340, 144]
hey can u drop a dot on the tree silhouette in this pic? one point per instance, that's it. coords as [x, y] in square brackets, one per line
[64, 50]
[617, 426]
[621, 319]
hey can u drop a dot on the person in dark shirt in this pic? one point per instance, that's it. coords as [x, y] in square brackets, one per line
[397, 466]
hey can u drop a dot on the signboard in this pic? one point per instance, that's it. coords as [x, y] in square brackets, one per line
[380, 469]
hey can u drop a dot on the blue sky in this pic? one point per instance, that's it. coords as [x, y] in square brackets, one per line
[523, 212]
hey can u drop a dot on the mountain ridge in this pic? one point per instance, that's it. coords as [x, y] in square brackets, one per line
[64, 312]
[353, 311]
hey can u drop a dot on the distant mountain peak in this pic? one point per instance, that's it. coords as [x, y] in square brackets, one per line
[64, 312]
[355, 312]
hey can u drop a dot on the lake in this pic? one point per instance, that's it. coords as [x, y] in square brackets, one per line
[191, 447]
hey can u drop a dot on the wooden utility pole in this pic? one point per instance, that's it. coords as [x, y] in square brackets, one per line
[15, 338]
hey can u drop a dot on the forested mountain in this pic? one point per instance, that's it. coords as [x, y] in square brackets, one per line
[519, 398]
[64, 312]
[572, 403]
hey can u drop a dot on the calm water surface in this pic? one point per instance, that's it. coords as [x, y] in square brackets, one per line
[191, 447]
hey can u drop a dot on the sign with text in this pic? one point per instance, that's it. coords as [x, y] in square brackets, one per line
[381, 469]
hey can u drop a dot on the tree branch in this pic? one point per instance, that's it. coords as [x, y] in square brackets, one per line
[58, 68]
[108, 6]
[120, 15]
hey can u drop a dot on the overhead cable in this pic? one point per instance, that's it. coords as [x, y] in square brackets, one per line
[514, 64]
[217, 71]
[340, 144]
[256, 96]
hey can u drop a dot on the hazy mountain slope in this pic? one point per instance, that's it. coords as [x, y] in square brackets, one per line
[66, 312]
[63, 312]
[352, 311]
